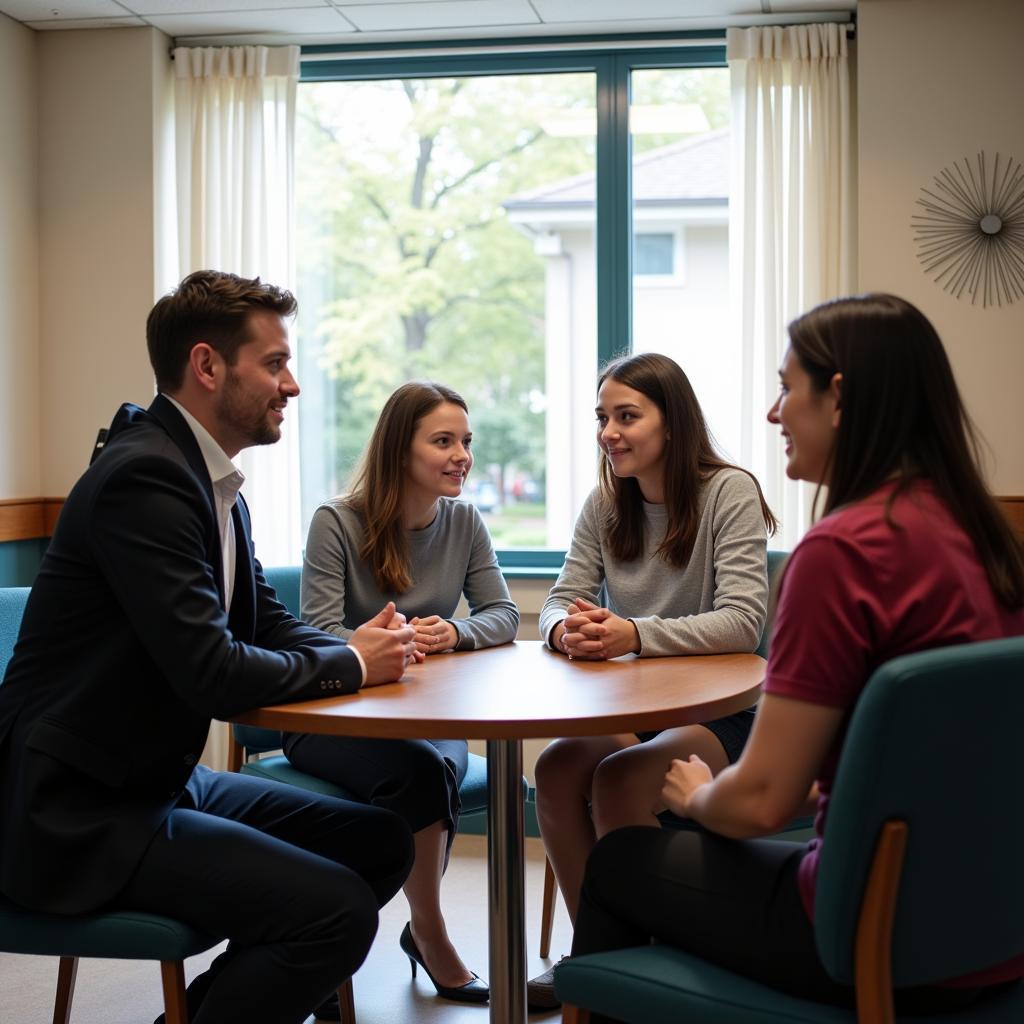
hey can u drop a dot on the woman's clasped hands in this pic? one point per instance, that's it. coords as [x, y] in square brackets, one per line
[592, 633]
[434, 634]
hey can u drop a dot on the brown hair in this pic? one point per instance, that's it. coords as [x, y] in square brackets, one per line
[902, 416]
[208, 306]
[379, 482]
[694, 459]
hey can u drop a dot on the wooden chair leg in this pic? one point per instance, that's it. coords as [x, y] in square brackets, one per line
[172, 974]
[873, 950]
[235, 752]
[574, 1014]
[67, 971]
[347, 1003]
[547, 913]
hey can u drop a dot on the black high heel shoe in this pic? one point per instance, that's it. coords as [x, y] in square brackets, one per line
[474, 991]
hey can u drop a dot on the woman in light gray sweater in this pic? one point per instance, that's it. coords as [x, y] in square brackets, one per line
[667, 558]
[402, 535]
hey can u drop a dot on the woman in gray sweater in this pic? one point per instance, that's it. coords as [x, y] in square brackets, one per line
[667, 558]
[402, 535]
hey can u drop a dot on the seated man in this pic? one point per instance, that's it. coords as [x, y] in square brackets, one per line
[149, 617]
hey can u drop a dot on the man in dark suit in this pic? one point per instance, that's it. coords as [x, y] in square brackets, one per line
[149, 617]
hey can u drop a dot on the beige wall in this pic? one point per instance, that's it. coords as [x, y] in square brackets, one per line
[101, 92]
[940, 80]
[19, 263]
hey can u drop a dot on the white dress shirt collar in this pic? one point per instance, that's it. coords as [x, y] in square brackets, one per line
[227, 480]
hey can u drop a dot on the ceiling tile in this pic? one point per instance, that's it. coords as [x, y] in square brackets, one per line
[427, 14]
[148, 7]
[69, 23]
[636, 10]
[296, 21]
[42, 10]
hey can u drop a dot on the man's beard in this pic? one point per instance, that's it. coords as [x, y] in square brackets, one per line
[246, 418]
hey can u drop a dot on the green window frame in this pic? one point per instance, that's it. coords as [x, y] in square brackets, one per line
[612, 62]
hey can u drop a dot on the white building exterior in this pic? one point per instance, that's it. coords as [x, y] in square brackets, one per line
[680, 299]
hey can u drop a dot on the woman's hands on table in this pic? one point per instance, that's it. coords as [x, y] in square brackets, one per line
[434, 635]
[591, 633]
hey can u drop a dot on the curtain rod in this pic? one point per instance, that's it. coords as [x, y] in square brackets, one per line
[370, 51]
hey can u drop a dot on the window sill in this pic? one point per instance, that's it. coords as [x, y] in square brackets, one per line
[529, 572]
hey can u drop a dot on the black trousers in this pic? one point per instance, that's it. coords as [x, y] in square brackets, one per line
[732, 902]
[416, 779]
[293, 879]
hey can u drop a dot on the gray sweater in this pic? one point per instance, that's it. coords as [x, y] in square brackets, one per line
[716, 604]
[451, 556]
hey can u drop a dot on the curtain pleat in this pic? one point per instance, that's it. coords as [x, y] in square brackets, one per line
[791, 218]
[235, 164]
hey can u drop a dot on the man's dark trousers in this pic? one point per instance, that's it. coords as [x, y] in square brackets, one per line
[293, 879]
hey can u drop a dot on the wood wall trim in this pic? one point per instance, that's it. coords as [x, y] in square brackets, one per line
[1013, 509]
[28, 518]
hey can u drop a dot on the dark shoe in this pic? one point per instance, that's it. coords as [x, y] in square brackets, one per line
[540, 991]
[474, 991]
[328, 1009]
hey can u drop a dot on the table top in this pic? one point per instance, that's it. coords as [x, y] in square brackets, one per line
[524, 690]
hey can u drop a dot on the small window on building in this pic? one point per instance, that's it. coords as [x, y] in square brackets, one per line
[655, 255]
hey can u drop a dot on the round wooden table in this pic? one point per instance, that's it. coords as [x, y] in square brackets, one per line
[505, 695]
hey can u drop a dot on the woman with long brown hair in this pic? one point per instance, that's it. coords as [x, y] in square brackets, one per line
[911, 553]
[667, 558]
[401, 534]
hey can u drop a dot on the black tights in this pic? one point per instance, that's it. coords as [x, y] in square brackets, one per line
[735, 903]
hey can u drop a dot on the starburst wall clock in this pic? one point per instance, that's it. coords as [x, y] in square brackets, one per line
[970, 233]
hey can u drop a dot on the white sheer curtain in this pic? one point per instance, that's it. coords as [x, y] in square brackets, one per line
[235, 170]
[791, 219]
[235, 153]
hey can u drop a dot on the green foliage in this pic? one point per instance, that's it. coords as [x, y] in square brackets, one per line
[408, 256]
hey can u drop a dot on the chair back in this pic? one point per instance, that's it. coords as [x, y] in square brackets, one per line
[775, 562]
[933, 743]
[287, 582]
[12, 608]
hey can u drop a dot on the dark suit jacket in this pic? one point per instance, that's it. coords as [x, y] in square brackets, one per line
[124, 656]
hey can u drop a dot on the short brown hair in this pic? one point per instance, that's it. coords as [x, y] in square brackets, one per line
[208, 306]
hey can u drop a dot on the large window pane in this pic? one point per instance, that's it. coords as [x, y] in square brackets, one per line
[441, 236]
[679, 121]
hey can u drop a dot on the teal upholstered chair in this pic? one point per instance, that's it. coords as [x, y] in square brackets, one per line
[547, 914]
[904, 897]
[121, 935]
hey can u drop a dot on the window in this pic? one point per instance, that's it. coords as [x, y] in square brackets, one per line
[655, 255]
[468, 219]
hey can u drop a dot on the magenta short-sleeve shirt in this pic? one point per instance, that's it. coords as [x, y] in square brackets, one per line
[858, 591]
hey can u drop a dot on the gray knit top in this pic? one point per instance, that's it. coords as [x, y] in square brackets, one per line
[451, 556]
[716, 604]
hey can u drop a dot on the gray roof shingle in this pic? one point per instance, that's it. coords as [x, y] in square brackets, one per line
[693, 170]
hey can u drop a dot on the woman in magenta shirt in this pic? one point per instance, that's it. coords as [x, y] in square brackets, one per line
[911, 553]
